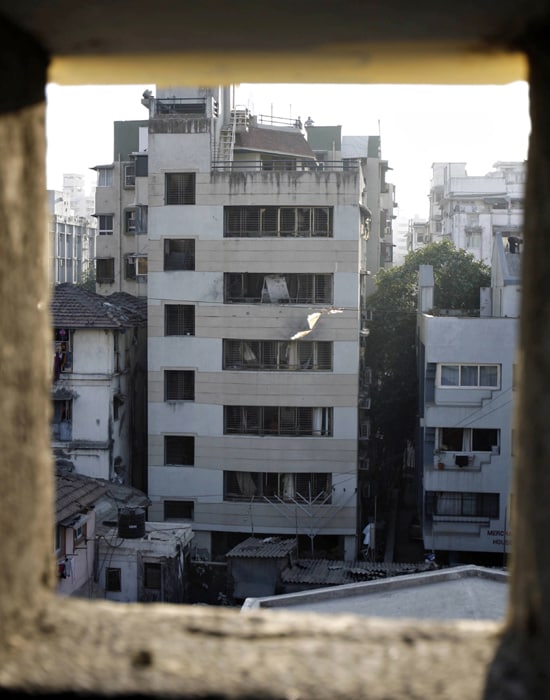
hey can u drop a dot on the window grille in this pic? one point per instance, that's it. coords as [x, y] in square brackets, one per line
[105, 270]
[130, 175]
[287, 421]
[313, 488]
[179, 319]
[277, 355]
[105, 224]
[179, 385]
[299, 288]
[105, 177]
[130, 221]
[278, 221]
[462, 504]
[180, 188]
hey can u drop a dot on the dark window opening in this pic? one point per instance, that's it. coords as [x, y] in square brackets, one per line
[105, 270]
[179, 254]
[179, 510]
[179, 450]
[313, 488]
[277, 221]
[277, 355]
[179, 319]
[179, 385]
[151, 575]
[293, 288]
[463, 504]
[113, 580]
[278, 420]
[180, 188]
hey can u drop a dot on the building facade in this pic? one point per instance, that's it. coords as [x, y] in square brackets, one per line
[72, 230]
[467, 395]
[254, 256]
[471, 210]
[99, 384]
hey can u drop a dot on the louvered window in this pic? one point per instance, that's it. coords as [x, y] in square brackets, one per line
[293, 288]
[277, 355]
[180, 188]
[179, 319]
[277, 221]
[313, 488]
[179, 385]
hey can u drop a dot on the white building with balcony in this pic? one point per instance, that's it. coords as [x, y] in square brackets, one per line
[99, 384]
[471, 210]
[467, 391]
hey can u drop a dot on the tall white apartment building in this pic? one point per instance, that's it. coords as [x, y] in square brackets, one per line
[471, 210]
[254, 264]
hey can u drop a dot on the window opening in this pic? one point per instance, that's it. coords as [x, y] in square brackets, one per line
[180, 188]
[179, 254]
[179, 450]
[179, 319]
[179, 385]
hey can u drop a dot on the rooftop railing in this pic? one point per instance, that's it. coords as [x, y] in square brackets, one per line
[280, 165]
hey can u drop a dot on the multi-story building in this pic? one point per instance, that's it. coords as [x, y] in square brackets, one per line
[471, 210]
[418, 234]
[256, 260]
[467, 388]
[121, 210]
[72, 232]
[99, 383]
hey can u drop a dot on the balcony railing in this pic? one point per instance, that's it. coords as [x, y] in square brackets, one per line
[283, 165]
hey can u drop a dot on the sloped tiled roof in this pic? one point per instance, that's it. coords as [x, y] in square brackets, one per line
[75, 494]
[266, 548]
[77, 307]
[276, 141]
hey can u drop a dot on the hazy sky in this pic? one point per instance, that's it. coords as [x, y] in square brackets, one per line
[418, 124]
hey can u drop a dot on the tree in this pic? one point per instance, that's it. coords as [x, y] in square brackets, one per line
[391, 344]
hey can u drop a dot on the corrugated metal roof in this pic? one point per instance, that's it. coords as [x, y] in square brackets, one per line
[76, 307]
[326, 572]
[276, 141]
[263, 548]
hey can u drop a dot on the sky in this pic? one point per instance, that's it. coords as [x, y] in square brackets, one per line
[418, 125]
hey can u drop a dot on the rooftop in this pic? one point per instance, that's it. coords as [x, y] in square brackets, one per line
[78, 307]
[457, 593]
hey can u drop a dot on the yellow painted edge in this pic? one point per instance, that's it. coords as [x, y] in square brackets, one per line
[382, 63]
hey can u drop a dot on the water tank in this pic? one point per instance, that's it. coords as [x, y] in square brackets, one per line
[131, 523]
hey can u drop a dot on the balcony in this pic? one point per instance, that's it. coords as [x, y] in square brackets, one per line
[461, 461]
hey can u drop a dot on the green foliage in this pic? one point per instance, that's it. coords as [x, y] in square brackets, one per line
[391, 344]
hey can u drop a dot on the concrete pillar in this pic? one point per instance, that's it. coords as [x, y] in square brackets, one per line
[520, 668]
[25, 357]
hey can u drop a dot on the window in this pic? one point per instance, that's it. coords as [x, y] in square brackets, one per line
[179, 319]
[277, 221]
[277, 420]
[130, 220]
[180, 188]
[469, 439]
[463, 504]
[179, 254]
[294, 288]
[113, 580]
[151, 575]
[105, 270]
[469, 376]
[130, 175]
[313, 488]
[277, 355]
[142, 165]
[179, 510]
[179, 450]
[62, 420]
[105, 176]
[105, 224]
[135, 266]
[63, 357]
[142, 212]
[179, 385]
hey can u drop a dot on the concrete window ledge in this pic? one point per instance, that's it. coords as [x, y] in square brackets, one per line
[102, 648]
